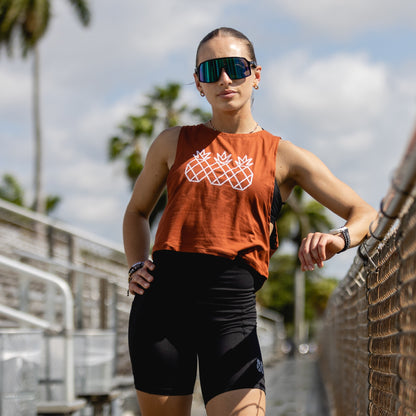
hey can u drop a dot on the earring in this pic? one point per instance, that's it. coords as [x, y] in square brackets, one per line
[201, 93]
[255, 86]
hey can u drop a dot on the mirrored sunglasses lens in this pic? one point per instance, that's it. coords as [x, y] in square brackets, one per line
[236, 68]
[209, 71]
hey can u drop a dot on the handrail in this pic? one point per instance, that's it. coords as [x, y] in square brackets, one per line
[27, 318]
[29, 271]
[85, 270]
[43, 219]
[50, 278]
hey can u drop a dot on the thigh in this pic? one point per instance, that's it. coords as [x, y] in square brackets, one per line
[243, 402]
[159, 405]
[162, 354]
[228, 347]
[230, 362]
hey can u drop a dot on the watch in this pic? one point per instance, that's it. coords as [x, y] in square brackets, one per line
[345, 235]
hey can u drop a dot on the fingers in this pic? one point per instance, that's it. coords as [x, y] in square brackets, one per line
[313, 250]
[142, 278]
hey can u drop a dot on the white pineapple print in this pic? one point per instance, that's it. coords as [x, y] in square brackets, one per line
[199, 167]
[221, 170]
[243, 175]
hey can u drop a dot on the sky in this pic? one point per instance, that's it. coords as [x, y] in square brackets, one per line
[338, 79]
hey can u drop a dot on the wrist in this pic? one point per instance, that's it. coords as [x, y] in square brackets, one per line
[344, 233]
[133, 269]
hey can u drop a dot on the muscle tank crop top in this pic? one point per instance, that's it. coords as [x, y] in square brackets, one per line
[220, 192]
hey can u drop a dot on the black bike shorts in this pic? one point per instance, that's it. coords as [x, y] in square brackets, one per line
[198, 308]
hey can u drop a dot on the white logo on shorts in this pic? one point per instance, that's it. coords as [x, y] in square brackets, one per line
[260, 368]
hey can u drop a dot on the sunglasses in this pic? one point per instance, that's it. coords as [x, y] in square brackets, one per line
[235, 67]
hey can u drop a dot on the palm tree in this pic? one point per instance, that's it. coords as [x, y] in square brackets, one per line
[12, 191]
[29, 20]
[298, 218]
[279, 292]
[137, 131]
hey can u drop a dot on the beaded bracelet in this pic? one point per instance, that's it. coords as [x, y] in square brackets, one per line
[133, 269]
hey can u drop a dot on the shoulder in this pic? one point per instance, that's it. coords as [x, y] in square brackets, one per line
[296, 163]
[295, 156]
[288, 149]
[168, 136]
[164, 146]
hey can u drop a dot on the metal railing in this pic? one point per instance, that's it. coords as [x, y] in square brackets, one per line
[92, 267]
[66, 330]
[368, 339]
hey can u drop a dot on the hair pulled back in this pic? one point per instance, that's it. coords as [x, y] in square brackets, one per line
[228, 31]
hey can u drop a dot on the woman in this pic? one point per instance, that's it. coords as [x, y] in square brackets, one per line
[226, 180]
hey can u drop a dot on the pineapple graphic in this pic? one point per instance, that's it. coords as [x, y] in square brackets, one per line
[198, 168]
[221, 170]
[242, 174]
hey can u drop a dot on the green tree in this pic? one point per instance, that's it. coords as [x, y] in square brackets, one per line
[28, 20]
[162, 110]
[278, 293]
[12, 191]
[300, 216]
[287, 291]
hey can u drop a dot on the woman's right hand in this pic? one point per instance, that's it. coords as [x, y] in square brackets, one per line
[142, 278]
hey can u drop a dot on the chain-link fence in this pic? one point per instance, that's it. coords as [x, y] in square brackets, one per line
[368, 339]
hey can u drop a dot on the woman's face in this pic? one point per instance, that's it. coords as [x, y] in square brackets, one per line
[227, 94]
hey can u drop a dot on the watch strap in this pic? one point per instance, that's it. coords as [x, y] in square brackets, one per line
[345, 235]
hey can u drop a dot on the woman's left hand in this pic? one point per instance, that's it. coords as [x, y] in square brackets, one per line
[317, 248]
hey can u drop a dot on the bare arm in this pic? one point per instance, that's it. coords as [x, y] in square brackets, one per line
[302, 168]
[146, 192]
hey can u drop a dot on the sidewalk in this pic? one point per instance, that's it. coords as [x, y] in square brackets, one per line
[294, 388]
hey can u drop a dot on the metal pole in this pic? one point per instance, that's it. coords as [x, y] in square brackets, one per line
[299, 335]
[68, 317]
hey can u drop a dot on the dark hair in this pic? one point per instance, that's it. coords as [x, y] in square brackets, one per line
[228, 31]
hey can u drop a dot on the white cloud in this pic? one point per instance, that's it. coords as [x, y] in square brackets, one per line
[331, 94]
[353, 113]
[342, 19]
[101, 214]
[95, 195]
[15, 89]
[126, 38]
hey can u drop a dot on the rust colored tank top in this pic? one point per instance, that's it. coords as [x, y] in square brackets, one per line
[220, 191]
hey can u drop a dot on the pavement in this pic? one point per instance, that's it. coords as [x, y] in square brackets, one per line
[294, 388]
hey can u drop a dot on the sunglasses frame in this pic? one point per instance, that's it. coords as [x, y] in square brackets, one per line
[250, 64]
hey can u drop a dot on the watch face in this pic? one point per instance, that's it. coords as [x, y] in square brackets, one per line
[338, 230]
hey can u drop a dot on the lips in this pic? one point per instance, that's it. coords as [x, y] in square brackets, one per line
[227, 93]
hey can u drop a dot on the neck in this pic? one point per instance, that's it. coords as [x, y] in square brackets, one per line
[234, 125]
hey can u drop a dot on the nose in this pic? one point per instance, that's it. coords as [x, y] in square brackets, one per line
[224, 77]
